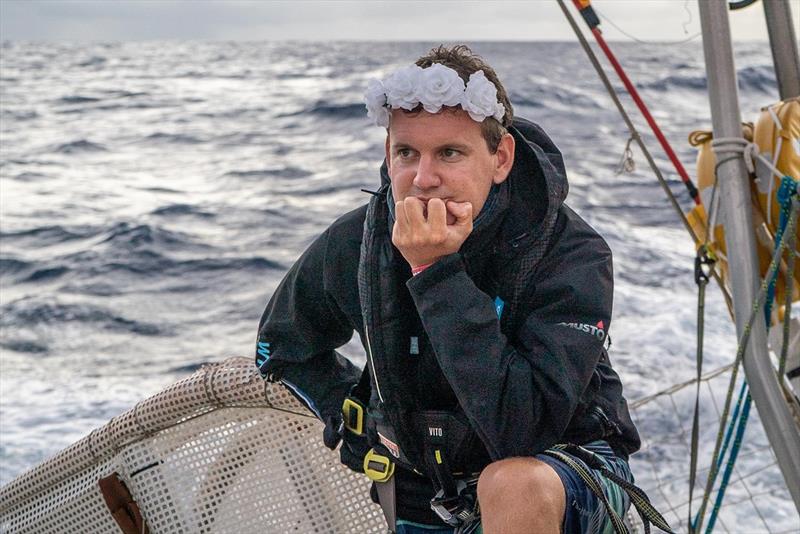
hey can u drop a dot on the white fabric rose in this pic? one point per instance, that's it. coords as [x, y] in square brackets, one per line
[480, 98]
[375, 98]
[441, 86]
[401, 87]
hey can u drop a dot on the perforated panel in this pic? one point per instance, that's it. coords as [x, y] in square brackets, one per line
[220, 451]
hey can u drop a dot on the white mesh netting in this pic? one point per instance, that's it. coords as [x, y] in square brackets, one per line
[224, 452]
[757, 499]
[220, 451]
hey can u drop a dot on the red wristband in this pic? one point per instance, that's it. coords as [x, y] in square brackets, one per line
[419, 268]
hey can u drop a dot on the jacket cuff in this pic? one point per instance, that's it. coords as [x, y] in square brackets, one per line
[443, 268]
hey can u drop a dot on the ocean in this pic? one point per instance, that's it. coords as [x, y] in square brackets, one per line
[153, 194]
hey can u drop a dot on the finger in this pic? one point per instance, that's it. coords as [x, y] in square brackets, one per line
[400, 213]
[437, 214]
[462, 211]
[415, 211]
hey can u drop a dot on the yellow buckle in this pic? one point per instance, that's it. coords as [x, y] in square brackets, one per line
[377, 467]
[353, 416]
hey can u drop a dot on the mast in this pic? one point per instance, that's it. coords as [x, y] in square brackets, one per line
[735, 206]
[784, 47]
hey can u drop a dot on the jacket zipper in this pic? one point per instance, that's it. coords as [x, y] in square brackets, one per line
[371, 363]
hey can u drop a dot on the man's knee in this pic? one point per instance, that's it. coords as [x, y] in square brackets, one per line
[524, 482]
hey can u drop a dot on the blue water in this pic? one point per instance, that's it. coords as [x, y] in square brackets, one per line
[153, 194]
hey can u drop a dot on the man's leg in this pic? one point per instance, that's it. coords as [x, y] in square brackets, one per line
[521, 496]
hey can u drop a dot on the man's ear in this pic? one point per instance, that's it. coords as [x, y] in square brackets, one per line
[388, 158]
[505, 158]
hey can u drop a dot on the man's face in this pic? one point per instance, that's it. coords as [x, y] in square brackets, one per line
[444, 155]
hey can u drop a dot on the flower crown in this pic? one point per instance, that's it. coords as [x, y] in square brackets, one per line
[433, 87]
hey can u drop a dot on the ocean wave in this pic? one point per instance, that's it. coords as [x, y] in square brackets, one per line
[122, 93]
[12, 266]
[79, 146]
[22, 345]
[136, 235]
[171, 210]
[181, 139]
[21, 115]
[30, 312]
[30, 176]
[336, 111]
[110, 274]
[205, 75]
[675, 81]
[29, 272]
[525, 101]
[758, 78]
[235, 113]
[284, 172]
[94, 61]
[93, 288]
[48, 273]
[48, 235]
[255, 263]
[160, 190]
[238, 139]
[76, 99]
[544, 94]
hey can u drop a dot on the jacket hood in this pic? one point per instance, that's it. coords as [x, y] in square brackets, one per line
[538, 182]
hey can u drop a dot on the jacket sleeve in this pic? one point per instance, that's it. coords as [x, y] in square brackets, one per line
[520, 396]
[302, 326]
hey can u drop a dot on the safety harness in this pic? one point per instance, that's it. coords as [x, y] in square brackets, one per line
[456, 501]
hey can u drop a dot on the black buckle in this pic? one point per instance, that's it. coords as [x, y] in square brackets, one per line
[460, 509]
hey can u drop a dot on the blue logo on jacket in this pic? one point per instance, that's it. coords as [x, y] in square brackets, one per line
[263, 353]
[498, 306]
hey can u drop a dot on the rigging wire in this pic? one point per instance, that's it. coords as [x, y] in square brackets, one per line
[689, 14]
[634, 133]
[589, 15]
[642, 41]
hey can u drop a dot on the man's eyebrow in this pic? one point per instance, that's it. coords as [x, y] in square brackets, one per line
[396, 146]
[456, 146]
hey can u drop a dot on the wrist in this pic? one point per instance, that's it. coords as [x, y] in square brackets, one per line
[419, 268]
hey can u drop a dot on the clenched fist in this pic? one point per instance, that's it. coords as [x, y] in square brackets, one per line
[423, 240]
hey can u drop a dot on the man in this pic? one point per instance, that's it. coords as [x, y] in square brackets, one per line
[483, 304]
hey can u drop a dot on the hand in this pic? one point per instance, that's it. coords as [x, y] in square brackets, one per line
[353, 448]
[422, 241]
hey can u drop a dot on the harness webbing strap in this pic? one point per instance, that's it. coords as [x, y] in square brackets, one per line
[638, 498]
[592, 484]
[388, 501]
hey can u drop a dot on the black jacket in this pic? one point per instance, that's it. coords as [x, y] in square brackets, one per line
[509, 332]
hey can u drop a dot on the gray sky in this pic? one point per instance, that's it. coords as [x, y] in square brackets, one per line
[124, 20]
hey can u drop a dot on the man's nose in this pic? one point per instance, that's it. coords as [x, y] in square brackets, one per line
[427, 173]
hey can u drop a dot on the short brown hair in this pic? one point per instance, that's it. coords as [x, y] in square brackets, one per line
[462, 60]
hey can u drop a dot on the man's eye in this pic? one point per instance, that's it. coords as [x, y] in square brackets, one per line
[450, 152]
[404, 152]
